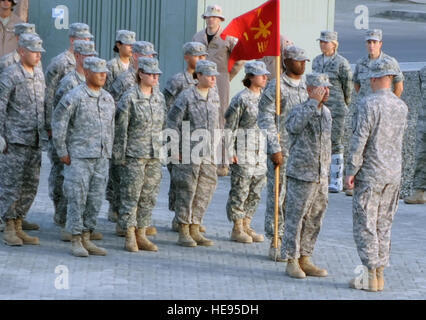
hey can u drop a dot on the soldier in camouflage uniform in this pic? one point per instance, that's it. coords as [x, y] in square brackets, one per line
[309, 129]
[82, 50]
[419, 182]
[137, 145]
[293, 92]
[21, 125]
[193, 52]
[374, 168]
[195, 179]
[340, 75]
[248, 162]
[83, 130]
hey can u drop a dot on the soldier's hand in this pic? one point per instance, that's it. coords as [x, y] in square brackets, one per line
[317, 93]
[66, 160]
[349, 182]
[234, 160]
[277, 159]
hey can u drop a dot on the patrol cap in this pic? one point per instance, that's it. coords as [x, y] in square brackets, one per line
[95, 64]
[213, 11]
[86, 48]
[257, 68]
[80, 30]
[295, 53]
[149, 65]
[207, 68]
[21, 28]
[317, 80]
[125, 36]
[382, 67]
[31, 42]
[374, 34]
[143, 47]
[195, 49]
[328, 36]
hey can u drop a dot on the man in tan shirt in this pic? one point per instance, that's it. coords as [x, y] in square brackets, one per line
[8, 19]
[21, 10]
[219, 51]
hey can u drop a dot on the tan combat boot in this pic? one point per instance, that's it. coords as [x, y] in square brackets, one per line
[222, 171]
[96, 235]
[151, 231]
[194, 231]
[275, 254]
[202, 228]
[293, 269]
[77, 248]
[310, 269]
[143, 241]
[91, 247]
[185, 238]
[247, 228]
[65, 236]
[25, 237]
[380, 278]
[112, 214]
[26, 225]
[131, 244]
[418, 197]
[359, 282]
[9, 235]
[119, 232]
[238, 234]
[349, 193]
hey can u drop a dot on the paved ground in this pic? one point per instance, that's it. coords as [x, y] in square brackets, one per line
[227, 270]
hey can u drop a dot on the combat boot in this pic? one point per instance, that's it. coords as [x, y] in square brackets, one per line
[293, 269]
[275, 254]
[26, 225]
[119, 231]
[368, 283]
[194, 231]
[151, 231]
[25, 237]
[143, 242]
[202, 228]
[380, 278]
[96, 235]
[185, 238]
[238, 234]
[349, 193]
[222, 171]
[418, 197]
[91, 247]
[9, 235]
[2, 225]
[310, 269]
[77, 248]
[247, 228]
[131, 244]
[112, 214]
[65, 236]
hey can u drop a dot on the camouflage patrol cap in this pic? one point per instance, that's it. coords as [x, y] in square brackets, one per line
[95, 64]
[125, 36]
[194, 49]
[257, 68]
[80, 31]
[374, 34]
[328, 36]
[213, 11]
[21, 28]
[149, 65]
[207, 68]
[85, 48]
[317, 80]
[143, 47]
[295, 53]
[382, 67]
[31, 42]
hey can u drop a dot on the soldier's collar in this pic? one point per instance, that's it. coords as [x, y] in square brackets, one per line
[92, 93]
[198, 95]
[285, 79]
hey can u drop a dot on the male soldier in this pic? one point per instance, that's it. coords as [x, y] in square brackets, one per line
[419, 183]
[219, 51]
[193, 52]
[123, 47]
[293, 92]
[362, 82]
[83, 130]
[21, 124]
[82, 50]
[309, 129]
[8, 20]
[374, 168]
[60, 66]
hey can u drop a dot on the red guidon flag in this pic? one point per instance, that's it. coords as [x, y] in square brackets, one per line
[258, 33]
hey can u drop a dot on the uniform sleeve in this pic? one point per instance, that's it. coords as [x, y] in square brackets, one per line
[300, 115]
[169, 93]
[116, 89]
[232, 121]
[399, 77]
[345, 75]
[176, 113]
[53, 77]
[6, 88]
[356, 74]
[61, 118]
[121, 127]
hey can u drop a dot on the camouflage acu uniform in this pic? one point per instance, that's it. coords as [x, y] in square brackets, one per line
[195, 183]
[115, 67]
[83, 128]
[9, 59]
[248, 178]
[137, 146]
[21, 125]
[308, 166]
[375, 155]
[420, 172]
[291, 95]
